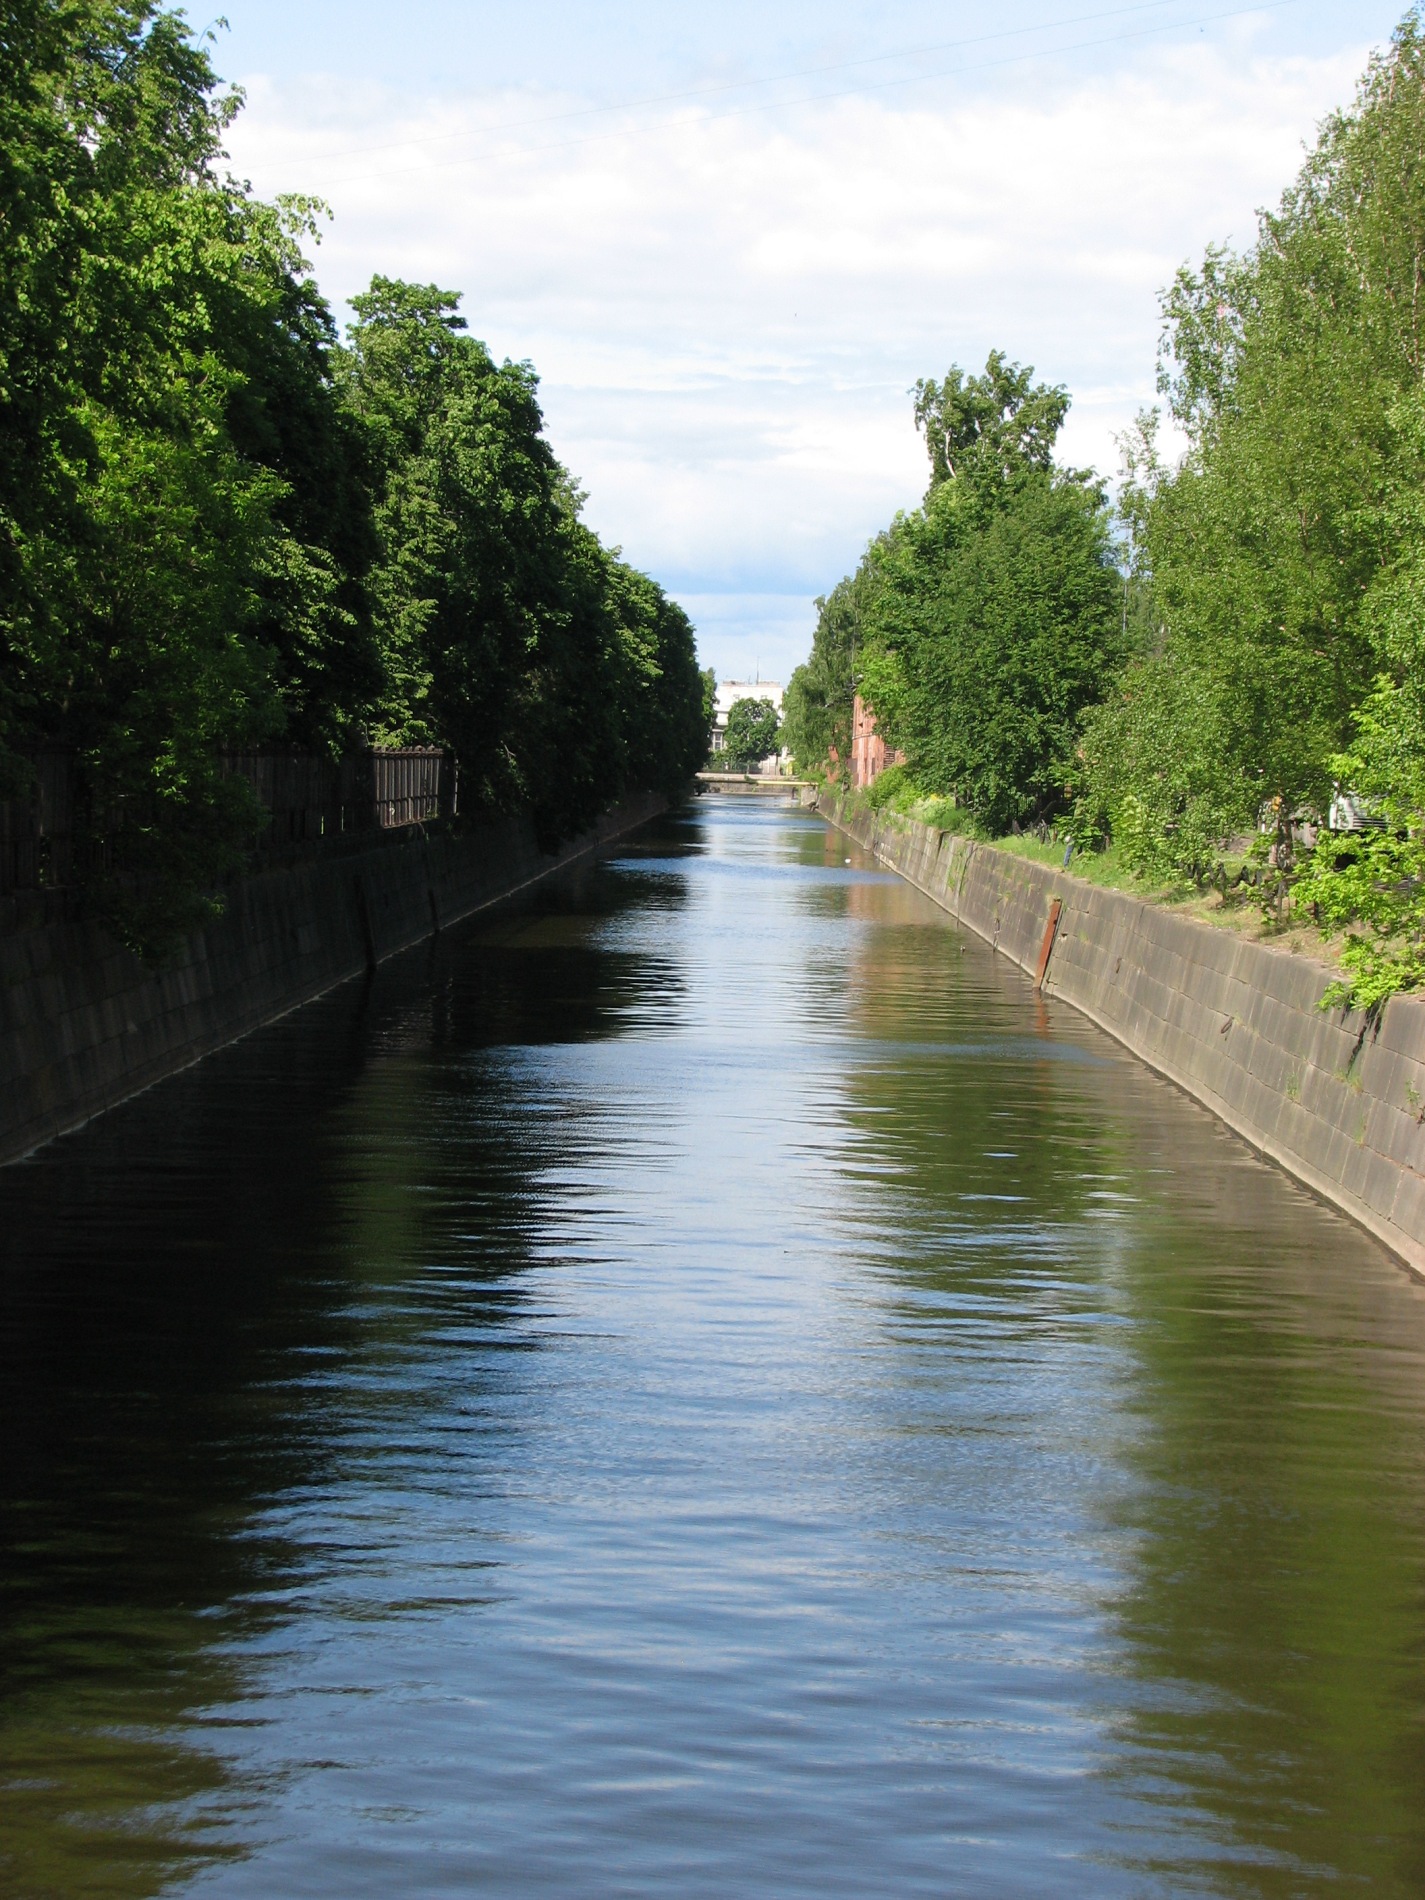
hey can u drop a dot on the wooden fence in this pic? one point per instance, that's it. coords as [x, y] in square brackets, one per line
[306, 798]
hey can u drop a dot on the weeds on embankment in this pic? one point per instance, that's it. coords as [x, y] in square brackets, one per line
[1235, 900]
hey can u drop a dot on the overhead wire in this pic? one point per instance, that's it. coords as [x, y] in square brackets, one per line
[770, 79]
[495, 154]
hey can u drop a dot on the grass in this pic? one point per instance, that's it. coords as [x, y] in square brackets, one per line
[1238, 912]
[1096, 867]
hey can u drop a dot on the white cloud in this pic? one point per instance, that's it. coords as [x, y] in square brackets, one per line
[727, 312]
[756, 636]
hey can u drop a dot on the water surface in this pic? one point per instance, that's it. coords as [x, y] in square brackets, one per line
[703, 1385]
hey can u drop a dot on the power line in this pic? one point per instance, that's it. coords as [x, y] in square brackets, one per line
[773, 79]
[849, 92]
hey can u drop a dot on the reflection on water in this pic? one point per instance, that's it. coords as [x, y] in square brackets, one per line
[705, 1385]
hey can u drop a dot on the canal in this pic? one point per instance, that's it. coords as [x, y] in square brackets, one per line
[702, 1385]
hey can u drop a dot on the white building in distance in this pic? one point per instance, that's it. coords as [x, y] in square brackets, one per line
[726, 697]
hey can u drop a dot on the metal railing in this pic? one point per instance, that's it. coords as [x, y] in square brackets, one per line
[306, 798]
[408, 786]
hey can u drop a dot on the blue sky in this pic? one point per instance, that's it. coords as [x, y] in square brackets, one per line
[730, 238]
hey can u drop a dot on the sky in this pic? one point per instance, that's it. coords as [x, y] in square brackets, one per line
[731, 237]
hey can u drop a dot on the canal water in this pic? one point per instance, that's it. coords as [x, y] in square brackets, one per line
[703, 1385]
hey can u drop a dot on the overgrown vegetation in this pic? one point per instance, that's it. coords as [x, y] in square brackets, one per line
[753, 733]
[1255, 640]
[980, 625]
[220, 526]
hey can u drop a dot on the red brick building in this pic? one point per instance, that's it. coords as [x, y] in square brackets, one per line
[870, 755]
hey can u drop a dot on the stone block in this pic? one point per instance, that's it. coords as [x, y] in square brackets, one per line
[1330, 1151]
[1402, 1026]
[1372, 1179]
[1394, 1133]
[1392, 1079]
[1408, 1208]
[1268, 1061]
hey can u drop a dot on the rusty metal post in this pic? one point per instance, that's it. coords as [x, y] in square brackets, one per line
[1046, 949]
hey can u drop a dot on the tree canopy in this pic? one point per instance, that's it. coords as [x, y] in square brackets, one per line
[981, 625]
[989, 429]
[1285, 557]
[1248, 635]
[817, 706]
[753, 732]
[220, 526]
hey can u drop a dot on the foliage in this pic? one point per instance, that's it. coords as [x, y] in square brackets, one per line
[488, 598]
[1274, 552]
[992, 613]
[1374, 881]
[182, 526]
[943, 814]
[1269, 602]
[1283, 563]
[894, 787]
[817, 706]
[217, 530]
[559, 675]
[979, 627]
[665, 704]
[134, 541]
[753, 733]
[1149, 766]
[987, 430]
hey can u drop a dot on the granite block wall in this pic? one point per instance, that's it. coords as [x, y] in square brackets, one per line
[83, 1023]
[1335, 1099]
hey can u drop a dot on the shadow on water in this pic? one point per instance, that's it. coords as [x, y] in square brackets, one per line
[180, 1276]
[701, 1383]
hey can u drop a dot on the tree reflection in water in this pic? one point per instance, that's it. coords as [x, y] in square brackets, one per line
[702, 1384]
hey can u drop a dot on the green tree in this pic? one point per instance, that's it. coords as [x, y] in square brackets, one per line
[1373, 883]
[709, 679]
[992, 614]
[218, 529]
[167, 586]
[817, 708]
[989, 428]
[753, 733]
[558, 674]
[665, 708]
[1287, 368]
[491, 598]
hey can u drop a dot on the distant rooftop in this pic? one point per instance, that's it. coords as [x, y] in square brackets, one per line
[730, 691]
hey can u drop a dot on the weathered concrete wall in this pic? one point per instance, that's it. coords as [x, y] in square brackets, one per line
[1338, 1102]
[83, 1023]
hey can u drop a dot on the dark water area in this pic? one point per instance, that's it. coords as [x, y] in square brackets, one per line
[703, 1385]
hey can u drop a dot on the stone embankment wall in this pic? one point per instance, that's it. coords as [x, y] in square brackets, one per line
[83, 1023]
[1336, 1100]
